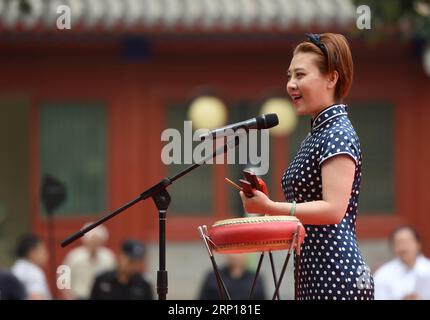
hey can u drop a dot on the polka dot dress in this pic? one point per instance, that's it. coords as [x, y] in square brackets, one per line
[331, 266]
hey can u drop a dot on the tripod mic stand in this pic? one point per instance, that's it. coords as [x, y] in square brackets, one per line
[161, 198]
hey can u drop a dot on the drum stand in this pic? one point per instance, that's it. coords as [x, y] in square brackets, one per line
[222, 289]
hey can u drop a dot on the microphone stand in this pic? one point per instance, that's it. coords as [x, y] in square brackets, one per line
[161, 198]
[51, 246]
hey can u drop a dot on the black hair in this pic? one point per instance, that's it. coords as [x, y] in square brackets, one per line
[26, 244]
[405, 227]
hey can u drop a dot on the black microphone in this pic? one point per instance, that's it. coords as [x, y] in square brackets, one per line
[265, 121]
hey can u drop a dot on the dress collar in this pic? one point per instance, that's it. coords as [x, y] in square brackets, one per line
[328, 113]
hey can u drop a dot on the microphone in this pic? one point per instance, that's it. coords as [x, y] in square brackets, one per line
[265, 121]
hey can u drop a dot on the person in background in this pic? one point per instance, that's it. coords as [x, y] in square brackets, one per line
[402, 277]
[10, 287]
[126, 282]
[88, 261]
[238, 281]
[32, 257]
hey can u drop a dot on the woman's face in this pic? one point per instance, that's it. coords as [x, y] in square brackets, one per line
[310, 91]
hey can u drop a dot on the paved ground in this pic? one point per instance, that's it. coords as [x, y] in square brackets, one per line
[187, 263]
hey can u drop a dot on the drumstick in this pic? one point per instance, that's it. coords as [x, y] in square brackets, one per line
[233, 184]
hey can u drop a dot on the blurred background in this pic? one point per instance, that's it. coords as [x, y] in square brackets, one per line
[86, 106]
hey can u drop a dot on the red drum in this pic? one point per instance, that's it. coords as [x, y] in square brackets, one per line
[255, 234]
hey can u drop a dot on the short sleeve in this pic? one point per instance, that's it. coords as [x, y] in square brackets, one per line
[340, 142]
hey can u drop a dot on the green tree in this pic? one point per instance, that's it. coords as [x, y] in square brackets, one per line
[409, 19]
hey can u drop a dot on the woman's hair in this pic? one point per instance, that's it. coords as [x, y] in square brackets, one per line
[26, 244]
[336, 57]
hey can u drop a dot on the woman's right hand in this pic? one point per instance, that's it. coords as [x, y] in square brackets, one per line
[259, 203]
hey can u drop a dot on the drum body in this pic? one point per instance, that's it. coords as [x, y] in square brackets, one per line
[255, 234]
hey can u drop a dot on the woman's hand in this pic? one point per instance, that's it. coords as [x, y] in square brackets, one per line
[259, 203]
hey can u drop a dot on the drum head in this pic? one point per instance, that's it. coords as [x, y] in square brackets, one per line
[255, 234]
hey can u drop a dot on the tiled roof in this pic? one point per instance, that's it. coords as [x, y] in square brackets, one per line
[178, 15]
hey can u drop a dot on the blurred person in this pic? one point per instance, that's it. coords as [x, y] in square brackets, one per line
[322, 183]
[237, 278]
[10, 287]
[32, 257]
[88, 261]
[126, 282]
[401, 278]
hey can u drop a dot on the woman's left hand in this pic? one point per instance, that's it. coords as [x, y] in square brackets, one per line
[259, 203]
